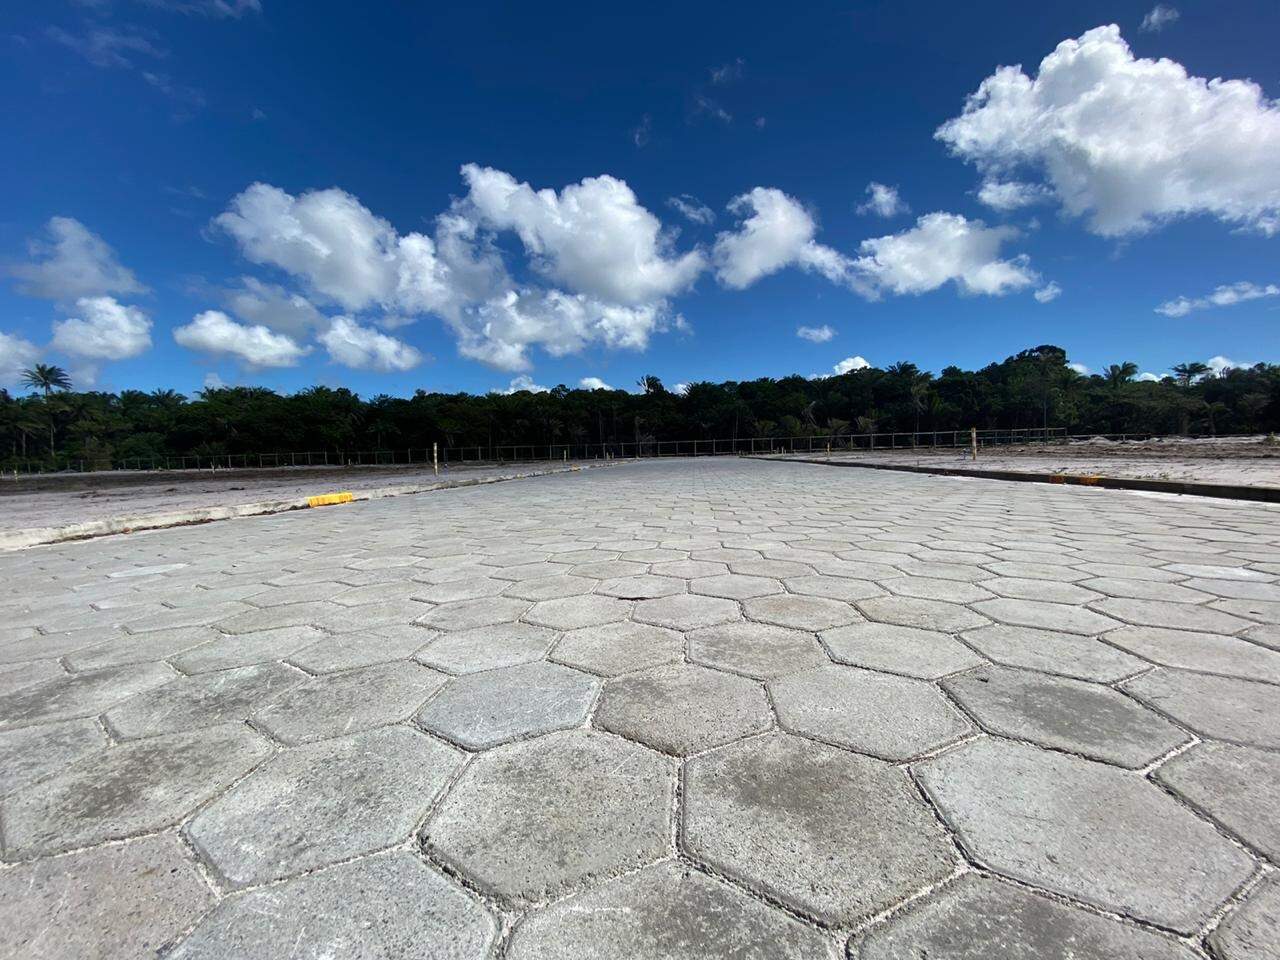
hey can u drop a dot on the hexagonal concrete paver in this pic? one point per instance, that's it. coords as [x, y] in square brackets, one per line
[485, 709]
[472, 588]
[1208, 652]
[389, 905]
[774, 813]
[682, 709]
[642, 587]
[554, 587]
[139, 648]
[348, 651]
[663, 912]
[337, 704]
[910, 651]
[930, 588]
[33, 753]
[467, 614]
[1019, 588]
[572, 613]
[980, 918]
[922, 614]
[205, 700]
[800, 613]
[1224, 708]
[1252, 931]
[1062, 617]
[244, 649]
[615, 648]
[758, 650]
[318, 804]
[833, 588]
[487, 648]
[733, 586]
[531, 820]
[1085, 718]
[1048, 651]
[139, 786]
[121, 900]
[1239, 787]
[894, 718]
[1174, 616]
[80, 695]
[1084, 830]
[686, 612]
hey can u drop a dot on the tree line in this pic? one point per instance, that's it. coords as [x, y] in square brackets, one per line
[1035, 388]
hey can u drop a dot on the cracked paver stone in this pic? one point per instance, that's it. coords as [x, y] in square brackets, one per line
[487, 648]
[614, 648]
[137, 787]
[980, 918]
[205, 700]
[1238, 787]
[389, 905]
[315, 805]
[122, 900]
[1085, 830]
[81, 694]
[774, 813]
[894, 718]
[336, 704]
[1223, 708]
[1046, 616]
[686, 611]
[1048, 651]
[348, 651]
[33, 753]
[485, 709]
[1072, 715]
[927, 654]
[530, 820]
[1252, 932]
[682, 709]
[801, 613]
[1208, 652]
[244, 649]
[755, 650]
[664, 912]
[571, 613]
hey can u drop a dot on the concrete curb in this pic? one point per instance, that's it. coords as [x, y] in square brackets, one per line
[1224, 491]
[37, 536]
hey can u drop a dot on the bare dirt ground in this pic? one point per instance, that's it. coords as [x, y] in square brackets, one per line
[64, 499]
[1244, 461]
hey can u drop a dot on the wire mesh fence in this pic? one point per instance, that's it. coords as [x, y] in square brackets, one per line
[480, 455]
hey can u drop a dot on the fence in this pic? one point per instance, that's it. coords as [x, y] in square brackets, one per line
[528, 452]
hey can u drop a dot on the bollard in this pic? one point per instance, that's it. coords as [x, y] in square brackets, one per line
[435, 458]
[973, 441]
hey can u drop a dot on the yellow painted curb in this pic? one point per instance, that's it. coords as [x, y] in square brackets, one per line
[328, 499]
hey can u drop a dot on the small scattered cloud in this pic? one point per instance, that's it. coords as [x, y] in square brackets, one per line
[103, 329]
[523, 384]
[816, 334]
[680, 389]
[883, 201]
[214, 333]
[727, 73]
[642, 132]
[1159, 17]
[1007, 195]
[705, 105]
[106, 47]
[593, 383]
[1079, 368]
[363, 348]
[692, 209]
[213, 382]
[760, 123]
[1048, 293]
[1227, 295]
[849, 364]
[69, 262]
[1148, 377]
[1219, 365]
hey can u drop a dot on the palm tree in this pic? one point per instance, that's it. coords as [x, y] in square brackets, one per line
[1189, 373]
[46, 377]
[1119, 374]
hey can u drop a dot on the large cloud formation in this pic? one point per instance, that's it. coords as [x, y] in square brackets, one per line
[1127, 143]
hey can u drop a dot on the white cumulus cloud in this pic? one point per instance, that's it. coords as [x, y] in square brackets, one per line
[775, 232]
[1219, 365]
[70, 262]
[523, 383]
[942, 248]
[1079, 368]
[213, 332]
[1007, 195]
[593, 383]
[271, 305]
[103, 330]
[1227, 295]
[16, 355]
[816, 334]
[849, 364]
[883, 201]
[363, 348]
[1126, 142]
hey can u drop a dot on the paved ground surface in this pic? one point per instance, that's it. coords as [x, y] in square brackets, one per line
[1243, 461]
[63, 499]
[713, 708]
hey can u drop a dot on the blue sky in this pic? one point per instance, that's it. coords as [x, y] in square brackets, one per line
[455, 196]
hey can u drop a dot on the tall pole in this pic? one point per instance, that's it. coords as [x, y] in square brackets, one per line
[973, 441]
[435, 457]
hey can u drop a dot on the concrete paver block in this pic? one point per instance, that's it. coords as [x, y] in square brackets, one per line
[682, 709]
[774, 813]
[758, 650]
[662, 912]
[1062, 617]
[348, 651]
[800, 613]
[33, 753]
[733, 586]
[81, 694]
[1208, 652]
[1239, 787]
[389, 905]
[468, 614]
[485, 709]
[1224, 708]
[130, 789]
[487, 648]
[894, 718]
[921, 614]
[243, 649]
[686, 612]
[1065, 654]
[615, 648]
[573, 613]
[322, 803]
[1085, 830]
[911, 651]
[530, 820]
[1252, 932]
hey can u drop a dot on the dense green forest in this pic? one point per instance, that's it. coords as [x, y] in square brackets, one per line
[1035, 388]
